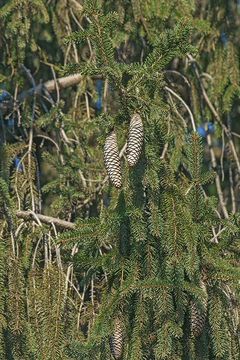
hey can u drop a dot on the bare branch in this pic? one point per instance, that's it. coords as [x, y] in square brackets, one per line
[28, 215]
[63, 82]
[49, 85]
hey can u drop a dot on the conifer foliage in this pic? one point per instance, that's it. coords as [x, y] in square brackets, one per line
[150, 270]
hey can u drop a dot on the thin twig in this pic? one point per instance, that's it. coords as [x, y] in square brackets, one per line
[230, 172]
[68, 142]
[165, 148]
[80, 27]
[105, 96]
[19, 228]
[30, 142]
[185, 105]
[69, 269]
[57, 249]
[56, 84]
[232, 189]
[48, 138]
[222, 154]
[35, 217]
[174, 107]
[3, 128]
[217, 178]
[215, 238]
[174, 72]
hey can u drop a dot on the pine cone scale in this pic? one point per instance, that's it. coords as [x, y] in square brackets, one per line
[112, 160]
[116, 341]
[135, 140]
[198, 317]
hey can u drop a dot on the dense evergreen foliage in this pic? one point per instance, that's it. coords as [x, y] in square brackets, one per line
[148, 268]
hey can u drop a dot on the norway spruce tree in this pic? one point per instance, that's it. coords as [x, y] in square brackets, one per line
[119, 194]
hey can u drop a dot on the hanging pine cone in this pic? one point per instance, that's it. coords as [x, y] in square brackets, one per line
[112, 160]
[135, 140]
[116, 340]
[198, 318]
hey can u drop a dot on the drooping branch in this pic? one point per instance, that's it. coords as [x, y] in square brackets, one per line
[215, 113]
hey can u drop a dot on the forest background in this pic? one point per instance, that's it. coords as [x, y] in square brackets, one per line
[154, 264]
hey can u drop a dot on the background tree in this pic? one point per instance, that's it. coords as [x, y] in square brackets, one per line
[154, 263]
